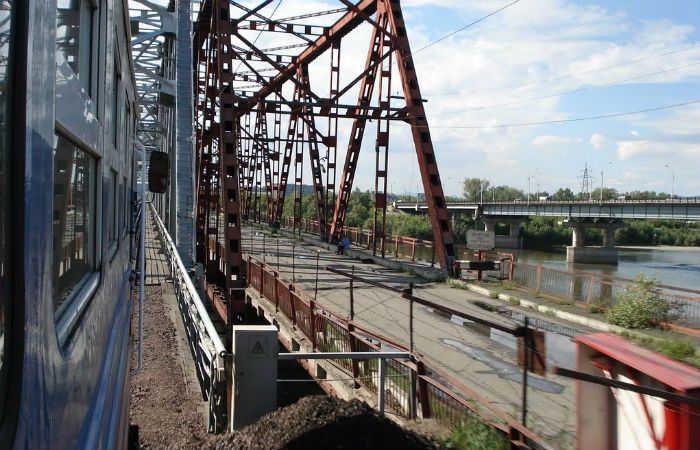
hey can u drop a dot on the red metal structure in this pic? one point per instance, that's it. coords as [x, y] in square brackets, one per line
[253, 70]
[613, 418]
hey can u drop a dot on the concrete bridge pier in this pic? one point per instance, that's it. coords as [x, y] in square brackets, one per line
[513, 238]
[577, 252]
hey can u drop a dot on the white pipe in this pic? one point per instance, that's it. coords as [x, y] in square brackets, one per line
[203, 314]
[142, 251]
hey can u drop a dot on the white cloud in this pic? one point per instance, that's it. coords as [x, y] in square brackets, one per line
[547, 141]
[680, 152]
[482, 76]
[597, 140]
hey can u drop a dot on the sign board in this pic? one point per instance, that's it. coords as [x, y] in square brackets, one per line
[480, 240]
[537, 356]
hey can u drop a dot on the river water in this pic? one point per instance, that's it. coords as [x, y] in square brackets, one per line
[673, 266]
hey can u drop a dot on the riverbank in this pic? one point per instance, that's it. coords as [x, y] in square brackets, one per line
[660, 247]
[664, 341]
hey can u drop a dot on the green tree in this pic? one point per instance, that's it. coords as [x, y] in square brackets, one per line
[545, 232]
[608, 194]
[639, 232]
[646, 195]
[473, 187]
[563, 194]
[505, 194]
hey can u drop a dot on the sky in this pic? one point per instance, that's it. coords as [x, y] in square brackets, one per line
[513, 99]
[547, 60]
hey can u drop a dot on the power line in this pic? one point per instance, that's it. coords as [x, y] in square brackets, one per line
[576, 119]
[465, 27]
[556, 94]
[559, 77]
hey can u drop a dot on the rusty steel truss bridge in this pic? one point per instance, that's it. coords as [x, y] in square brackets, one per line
[243, 99]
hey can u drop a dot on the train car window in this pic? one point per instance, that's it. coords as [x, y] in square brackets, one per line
[113, 216]
[6, 30]
[75, 20]
[124, 126]
[125, 205]
[116, 86]
[74, 229]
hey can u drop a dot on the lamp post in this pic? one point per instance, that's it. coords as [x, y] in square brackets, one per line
[673, 179]
[601, 182]
[530, 176]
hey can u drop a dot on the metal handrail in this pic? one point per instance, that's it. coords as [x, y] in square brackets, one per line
[196, 300]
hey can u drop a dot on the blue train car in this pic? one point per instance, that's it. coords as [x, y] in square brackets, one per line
[68, 111]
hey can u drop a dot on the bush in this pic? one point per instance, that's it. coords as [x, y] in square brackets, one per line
[473, 433]
[641, 306]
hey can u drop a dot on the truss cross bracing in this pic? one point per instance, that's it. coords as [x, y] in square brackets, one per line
[276, 99]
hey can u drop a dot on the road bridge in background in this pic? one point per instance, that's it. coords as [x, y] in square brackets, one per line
[675, 209]
[579, 216]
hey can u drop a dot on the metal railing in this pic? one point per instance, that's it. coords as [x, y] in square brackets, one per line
[581, 288]
[399, 246]
[414, 389]
[205, 344]
[589, 289]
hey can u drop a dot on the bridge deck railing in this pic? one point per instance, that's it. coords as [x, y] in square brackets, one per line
[400, 246]
[588, 289]
[583, 289]
[330, 332]
[203, 339]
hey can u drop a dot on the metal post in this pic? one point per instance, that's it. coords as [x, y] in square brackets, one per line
[481, 257]
[263, 247]
[352, 296]
[409, 291]
[318, 254]
[294, 247]
[412, 393]
[526, 366]
[278, 254]
[380, 390]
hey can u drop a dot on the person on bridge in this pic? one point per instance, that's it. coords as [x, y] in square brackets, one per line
[345, 243]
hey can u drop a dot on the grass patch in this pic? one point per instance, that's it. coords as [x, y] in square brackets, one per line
[493, 294]
[550, 312]
[674, 347]
[473, 433]
[595, 310]
[514, 301]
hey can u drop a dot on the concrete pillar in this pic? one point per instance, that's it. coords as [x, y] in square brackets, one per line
[514, 227]
[577, 252]
[489, 224]
[578, 236]
[609, 236]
